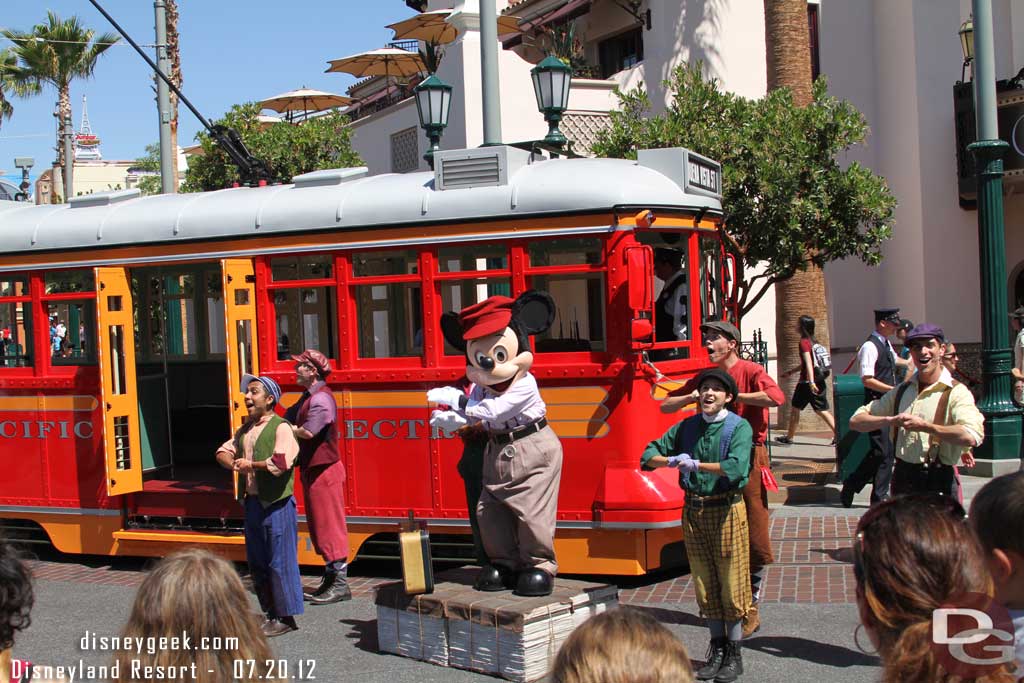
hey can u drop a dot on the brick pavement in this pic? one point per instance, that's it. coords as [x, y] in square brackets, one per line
[812, 566]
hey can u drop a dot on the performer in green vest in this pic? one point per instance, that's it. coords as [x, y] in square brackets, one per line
[711, 450]
[263, 451]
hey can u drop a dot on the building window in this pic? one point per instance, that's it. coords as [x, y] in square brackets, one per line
[405, 151]
[812, 34]
[621, 51]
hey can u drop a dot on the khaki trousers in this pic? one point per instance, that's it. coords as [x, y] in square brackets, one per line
[519, 502]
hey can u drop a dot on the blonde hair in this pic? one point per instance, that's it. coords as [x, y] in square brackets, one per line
[199, 594]
[622, 645]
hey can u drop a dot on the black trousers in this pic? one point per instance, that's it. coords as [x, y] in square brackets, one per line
[909, 478]
[876, 468]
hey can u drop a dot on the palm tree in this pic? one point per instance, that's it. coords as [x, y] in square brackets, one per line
[787, 45]
[174, 55]
[55, 53]
[8, 85]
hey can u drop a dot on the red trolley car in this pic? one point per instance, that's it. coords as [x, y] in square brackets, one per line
[126, 323]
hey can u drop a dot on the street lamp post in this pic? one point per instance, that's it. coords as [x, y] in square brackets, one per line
[433, 102]
[552, 79]
[1002, 418]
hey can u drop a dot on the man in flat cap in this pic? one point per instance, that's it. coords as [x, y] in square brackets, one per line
[878, 362]
[757, 392]
[933, 419]
[315, 423]
[671, 314]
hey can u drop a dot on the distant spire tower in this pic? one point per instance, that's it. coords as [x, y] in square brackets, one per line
[87, 145]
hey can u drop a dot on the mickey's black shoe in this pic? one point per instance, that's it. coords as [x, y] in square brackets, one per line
[534, 583]
[492, 579]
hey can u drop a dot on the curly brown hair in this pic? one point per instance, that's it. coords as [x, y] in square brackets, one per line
[912, 554]
[16, 596]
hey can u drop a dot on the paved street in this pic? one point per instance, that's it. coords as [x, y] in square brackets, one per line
[808, 605]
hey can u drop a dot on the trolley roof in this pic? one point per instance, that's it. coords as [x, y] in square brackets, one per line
[345, 199]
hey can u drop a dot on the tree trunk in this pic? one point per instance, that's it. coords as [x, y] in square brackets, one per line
[174, 54]
[64, 107]
[788, 57]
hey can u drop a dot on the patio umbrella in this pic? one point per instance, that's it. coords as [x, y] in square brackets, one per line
[304, 100]
[432, 27]
[385, 61]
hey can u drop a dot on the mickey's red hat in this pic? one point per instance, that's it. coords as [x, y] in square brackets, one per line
[488, 317]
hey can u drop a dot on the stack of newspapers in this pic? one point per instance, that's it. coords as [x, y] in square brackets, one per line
[501, 634]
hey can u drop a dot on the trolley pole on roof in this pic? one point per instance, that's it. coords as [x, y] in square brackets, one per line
[489, 72]
[163, 100]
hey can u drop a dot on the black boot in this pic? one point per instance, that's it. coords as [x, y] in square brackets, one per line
[309, 593]
[534, 583]
[335, 590]
[715, 658]
[492, 579]
[732, 667]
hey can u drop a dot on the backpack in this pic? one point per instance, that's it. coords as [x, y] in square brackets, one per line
[822, 360]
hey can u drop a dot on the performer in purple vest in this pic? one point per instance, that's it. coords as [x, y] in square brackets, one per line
[315, 421]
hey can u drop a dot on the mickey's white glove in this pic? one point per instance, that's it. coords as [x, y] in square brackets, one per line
[447, 421]
[449, 396]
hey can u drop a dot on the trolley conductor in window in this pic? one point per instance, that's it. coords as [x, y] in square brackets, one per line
[523, 456]
[670, 316]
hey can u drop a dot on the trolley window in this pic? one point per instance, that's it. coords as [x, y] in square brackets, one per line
[389, 303]
[305, 304]
[674, 304]
[71, 310]
[572, 271]
[15, 322]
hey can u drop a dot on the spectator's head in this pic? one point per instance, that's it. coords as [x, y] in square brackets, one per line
[911, 555]
[16, 597]
[887, 320]
[806, 326]
[997, 515]
[1017, 318]
[904, 327]
[667, 262]
[951, 358]
[623, 645]
[721, 339]
[199, 594]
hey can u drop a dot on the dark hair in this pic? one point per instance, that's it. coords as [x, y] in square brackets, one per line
[16, 597]
[911, 555]
[997, 513]
[807, 326]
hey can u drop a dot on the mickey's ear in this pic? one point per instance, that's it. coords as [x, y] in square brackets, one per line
[452, 330]
[534, 311]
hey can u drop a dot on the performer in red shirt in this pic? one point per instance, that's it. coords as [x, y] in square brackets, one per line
[757, 393]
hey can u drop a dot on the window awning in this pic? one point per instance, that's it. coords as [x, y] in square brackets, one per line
[567, 12]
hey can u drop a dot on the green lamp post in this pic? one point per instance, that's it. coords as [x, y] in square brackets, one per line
[433, 102]
[1002, 418]
[551, 81]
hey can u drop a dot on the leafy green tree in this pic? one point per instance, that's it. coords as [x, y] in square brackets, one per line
[789, 203]
[317, 143]
[56, 53]
[150, 184]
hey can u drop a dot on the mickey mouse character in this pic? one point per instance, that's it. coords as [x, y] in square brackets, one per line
[523, 456]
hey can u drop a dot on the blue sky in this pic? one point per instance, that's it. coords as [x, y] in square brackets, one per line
[232, 51]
